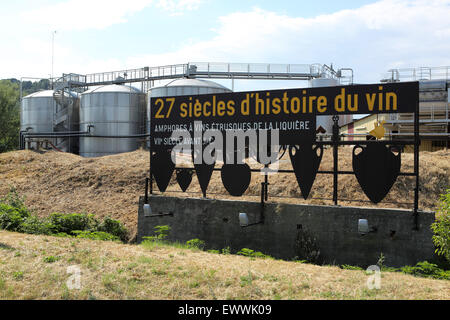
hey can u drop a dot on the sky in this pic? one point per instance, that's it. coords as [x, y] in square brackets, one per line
[368, 36]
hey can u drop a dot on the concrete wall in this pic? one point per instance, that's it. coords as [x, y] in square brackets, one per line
[296, 230]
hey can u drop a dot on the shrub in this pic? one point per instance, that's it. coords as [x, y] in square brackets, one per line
[12, 217]
[113, 227]
[196, 244]
[426, 269]
[161, 233]
[441, 227]
[35, 225]
[73, 221]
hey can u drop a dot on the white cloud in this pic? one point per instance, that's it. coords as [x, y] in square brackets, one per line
[178, 7]
[370, 39]
[98, 14]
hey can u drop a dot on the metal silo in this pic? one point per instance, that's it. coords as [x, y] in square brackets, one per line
[113, 111]
[36, 113]
[326, 122]
[49, 112]
[182, 87]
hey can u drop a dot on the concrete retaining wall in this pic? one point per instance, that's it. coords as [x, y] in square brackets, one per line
[291, 230]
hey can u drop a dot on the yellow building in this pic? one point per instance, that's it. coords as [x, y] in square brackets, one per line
[434, 118]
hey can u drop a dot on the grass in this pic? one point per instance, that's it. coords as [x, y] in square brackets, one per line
[111, 270]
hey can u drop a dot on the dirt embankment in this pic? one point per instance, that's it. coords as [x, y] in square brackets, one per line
[111, 185]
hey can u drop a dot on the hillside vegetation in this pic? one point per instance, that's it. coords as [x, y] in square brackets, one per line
[36, 267]
[111, 185]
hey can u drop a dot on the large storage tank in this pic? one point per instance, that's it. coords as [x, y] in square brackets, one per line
[113, 111]
[47, 112]
[182, 87]
[37, 112]
[326, 122]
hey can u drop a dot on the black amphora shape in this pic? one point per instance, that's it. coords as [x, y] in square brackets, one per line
[305, 162]
[184, 178]
[236, 178]
[203, 172]
[376, 168]
[162, 168]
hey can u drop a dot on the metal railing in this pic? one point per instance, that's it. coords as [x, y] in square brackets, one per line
[415, 74]
[216, 70]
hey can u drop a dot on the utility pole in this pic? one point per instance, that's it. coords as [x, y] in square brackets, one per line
[53, 50]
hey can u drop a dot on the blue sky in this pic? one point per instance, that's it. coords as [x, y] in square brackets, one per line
[98, 35]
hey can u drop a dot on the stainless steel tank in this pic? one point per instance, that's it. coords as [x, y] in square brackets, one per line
[36, 114]
[182, 87]
[51, 111]
[37, 111]
[326, 122]
[112, 110]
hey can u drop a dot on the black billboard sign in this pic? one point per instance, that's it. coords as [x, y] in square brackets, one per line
[291, 111]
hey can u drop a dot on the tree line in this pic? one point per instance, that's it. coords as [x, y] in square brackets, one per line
[10, 109]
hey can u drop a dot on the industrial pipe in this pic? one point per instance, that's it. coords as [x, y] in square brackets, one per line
[84, 135]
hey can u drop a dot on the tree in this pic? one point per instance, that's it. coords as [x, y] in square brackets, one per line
[9, 115]
[441, 227]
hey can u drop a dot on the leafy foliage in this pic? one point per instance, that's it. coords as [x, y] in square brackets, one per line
[9, 115]
[426, 269]
[73, 221]
[196, 244]
[36, 225]
[253, 254]
[113, 227]
[11, 218]
[160, 234]
[12, 211]
[14, 216]
[349, 267]
[441, 227]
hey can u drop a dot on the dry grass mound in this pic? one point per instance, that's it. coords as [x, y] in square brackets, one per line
[111, 185]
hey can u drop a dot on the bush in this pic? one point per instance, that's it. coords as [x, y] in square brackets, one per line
[113, 227]
[12, 217]
[161, 233]
[73, 221]
[441, 227]
[196, 244]
[35, 225]
[426, 269]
